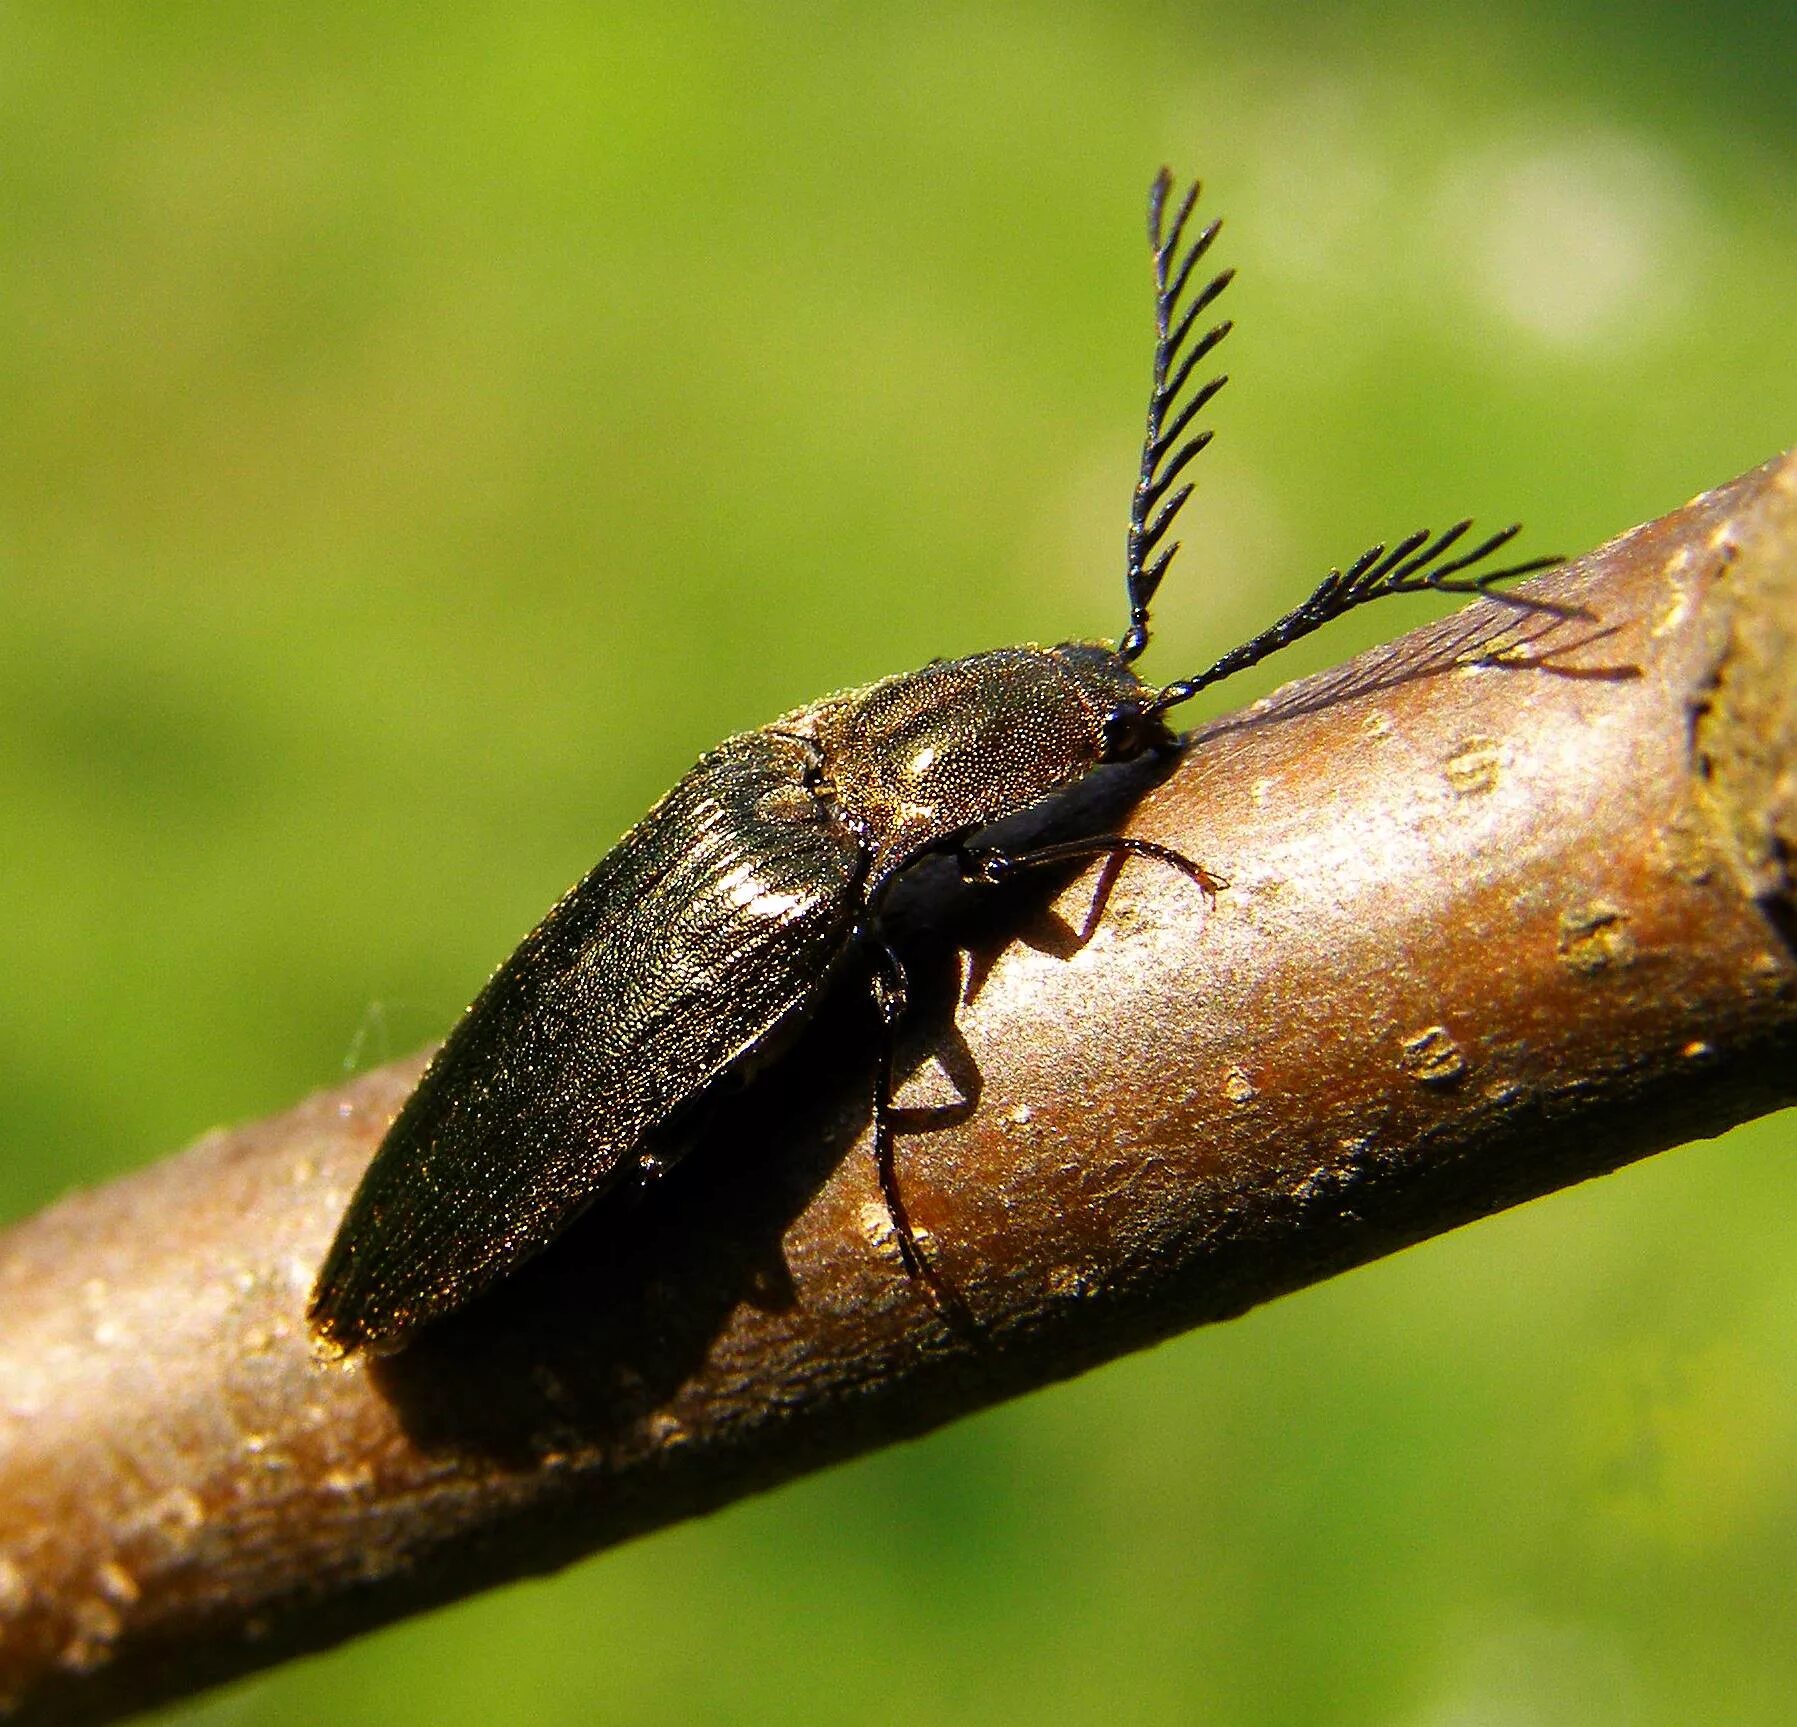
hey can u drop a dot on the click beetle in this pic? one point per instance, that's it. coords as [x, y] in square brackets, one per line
[717, 922]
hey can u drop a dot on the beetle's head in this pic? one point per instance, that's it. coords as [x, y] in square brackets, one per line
[1130, 723]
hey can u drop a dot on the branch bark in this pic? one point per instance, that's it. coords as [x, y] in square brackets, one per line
[1511, 903]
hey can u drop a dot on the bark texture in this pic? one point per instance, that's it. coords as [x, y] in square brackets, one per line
[1510, 903]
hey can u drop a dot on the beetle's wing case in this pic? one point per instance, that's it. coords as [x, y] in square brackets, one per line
[716, 918]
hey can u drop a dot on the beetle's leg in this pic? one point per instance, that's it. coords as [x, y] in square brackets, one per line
[891, 996]
[991, 866]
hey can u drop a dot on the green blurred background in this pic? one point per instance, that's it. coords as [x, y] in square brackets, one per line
[423, 431]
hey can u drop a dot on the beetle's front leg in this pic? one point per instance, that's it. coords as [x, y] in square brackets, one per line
[992, 866]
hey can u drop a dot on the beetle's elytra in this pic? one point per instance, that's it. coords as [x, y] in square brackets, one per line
[718, 920]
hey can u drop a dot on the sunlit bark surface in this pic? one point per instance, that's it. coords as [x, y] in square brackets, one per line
[1509, 903]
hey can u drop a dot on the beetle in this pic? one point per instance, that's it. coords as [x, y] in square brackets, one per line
[716, 923]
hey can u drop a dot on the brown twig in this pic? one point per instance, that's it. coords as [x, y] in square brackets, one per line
[1510, 903]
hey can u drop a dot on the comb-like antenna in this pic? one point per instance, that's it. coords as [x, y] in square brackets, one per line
[1417, 564]
[1164, 458]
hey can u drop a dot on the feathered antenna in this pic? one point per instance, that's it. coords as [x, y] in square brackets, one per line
[1417, 564]
[1164, 458]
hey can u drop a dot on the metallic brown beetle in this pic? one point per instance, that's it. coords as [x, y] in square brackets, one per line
[716, 923]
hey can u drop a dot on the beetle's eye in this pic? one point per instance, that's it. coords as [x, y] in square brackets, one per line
[1125, 731]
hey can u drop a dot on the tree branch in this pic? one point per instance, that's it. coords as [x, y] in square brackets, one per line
[1511, 903]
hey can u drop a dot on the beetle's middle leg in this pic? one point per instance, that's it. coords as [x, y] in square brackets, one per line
[890, 988]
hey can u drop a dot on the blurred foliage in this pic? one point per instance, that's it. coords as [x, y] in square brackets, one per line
[426, 429]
